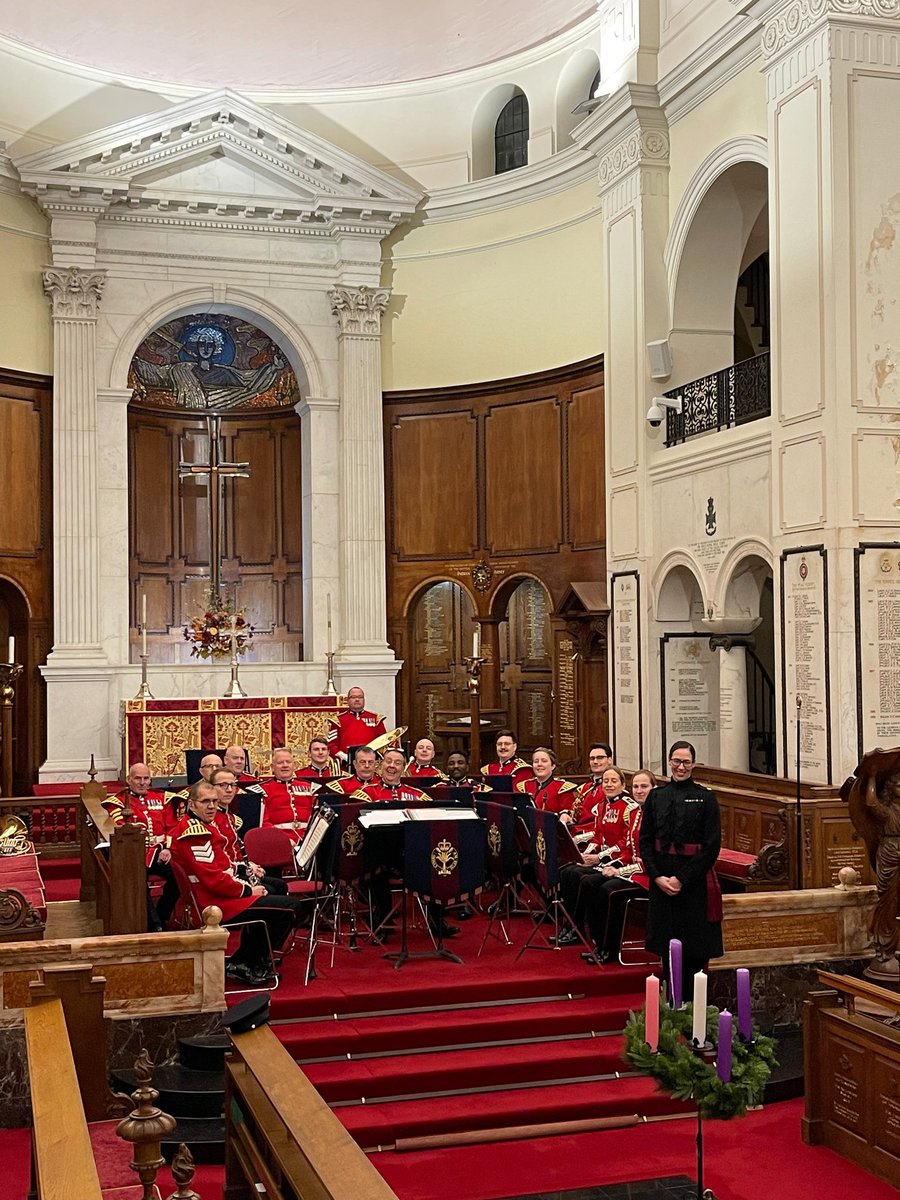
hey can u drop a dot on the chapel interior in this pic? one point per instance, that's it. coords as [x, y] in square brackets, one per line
[561, 339]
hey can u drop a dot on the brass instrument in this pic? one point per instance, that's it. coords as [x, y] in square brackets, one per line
[14, 837]
[386, 739]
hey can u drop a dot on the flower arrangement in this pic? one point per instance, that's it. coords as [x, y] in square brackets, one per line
[687, 1074]
[219, 630]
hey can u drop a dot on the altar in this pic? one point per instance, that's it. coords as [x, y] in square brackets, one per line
[157, 732]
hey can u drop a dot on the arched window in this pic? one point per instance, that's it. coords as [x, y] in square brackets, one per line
[511, 136]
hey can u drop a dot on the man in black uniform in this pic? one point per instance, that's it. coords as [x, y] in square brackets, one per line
[680, 840]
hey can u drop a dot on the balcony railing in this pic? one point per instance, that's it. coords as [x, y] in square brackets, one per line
[732, 396]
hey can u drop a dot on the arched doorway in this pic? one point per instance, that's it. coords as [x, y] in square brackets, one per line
[525, 661]
[749, 602]
[29, 649]
[440, 638]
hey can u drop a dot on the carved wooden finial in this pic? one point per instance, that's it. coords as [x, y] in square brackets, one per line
[145, 1127]
[92, 770]
[212, 917]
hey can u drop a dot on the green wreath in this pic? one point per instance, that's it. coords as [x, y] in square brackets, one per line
[687, 1076]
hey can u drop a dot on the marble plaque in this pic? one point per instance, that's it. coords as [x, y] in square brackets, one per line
[691, 695]
[775, 932]
[804, 640]
[878, 644]
[626, 669]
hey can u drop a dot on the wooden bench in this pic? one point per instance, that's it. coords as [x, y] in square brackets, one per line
[282, 1135]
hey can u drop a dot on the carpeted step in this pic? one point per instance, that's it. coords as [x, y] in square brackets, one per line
[458, 1070]
[418, 1031]
[382, 1124]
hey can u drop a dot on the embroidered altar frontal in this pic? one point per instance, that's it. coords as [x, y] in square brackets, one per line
[157, 732]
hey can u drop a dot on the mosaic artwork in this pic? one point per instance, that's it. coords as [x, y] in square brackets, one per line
[211, 363]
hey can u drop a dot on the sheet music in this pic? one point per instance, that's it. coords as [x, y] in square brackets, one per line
[443, 814]
[315, 831]
[384, 816]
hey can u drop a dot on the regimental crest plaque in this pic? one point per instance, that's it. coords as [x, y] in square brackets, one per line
[540, 844]
[352, 840]
[494, 839]
[445, 858]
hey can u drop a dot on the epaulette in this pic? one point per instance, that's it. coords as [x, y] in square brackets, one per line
[360, 794]
[193, 828]
[182, 795]
[237, 822]
[484, 769]
[520, 762]
[520, 787]
[566, 786]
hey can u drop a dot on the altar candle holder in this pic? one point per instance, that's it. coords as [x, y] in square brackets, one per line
[330, 689]
[473, 668]
[234, 690]
[9, 673]
[143, 692]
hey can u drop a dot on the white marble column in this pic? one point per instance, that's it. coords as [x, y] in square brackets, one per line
[320, 504]
[363, 601]
[74, 296]
[734, 734]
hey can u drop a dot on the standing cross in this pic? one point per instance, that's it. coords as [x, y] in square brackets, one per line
[217, 471]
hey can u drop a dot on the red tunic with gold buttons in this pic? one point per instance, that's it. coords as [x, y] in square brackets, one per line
[350, 729]
[556, 795]
[287, 805]
[202, 852]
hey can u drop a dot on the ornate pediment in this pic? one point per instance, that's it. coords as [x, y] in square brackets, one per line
[217, 159]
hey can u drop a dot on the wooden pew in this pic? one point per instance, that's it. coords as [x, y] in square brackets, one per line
[282, 1134]
[116, 884]
[63, 1159]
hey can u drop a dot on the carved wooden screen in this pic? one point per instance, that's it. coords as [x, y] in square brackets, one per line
[442, 637]
[526, 650]
[261, 529]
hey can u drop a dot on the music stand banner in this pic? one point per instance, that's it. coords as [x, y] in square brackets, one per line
[443, 860]
[544, 848]
[502, 856]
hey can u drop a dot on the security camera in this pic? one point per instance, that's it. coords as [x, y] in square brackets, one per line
[656, 411]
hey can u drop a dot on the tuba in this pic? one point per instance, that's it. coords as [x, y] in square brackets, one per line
[14, 837]
[385, 740]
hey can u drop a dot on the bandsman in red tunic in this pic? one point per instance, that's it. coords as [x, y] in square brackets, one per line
[287, 802]
[458, 773]
[235, 759]
[421, 765]
[229, 825]
[390, 785]
[365, 762]
[507, 762]
[356, 726]
[321, 765]
[591, 795]
[548, 792]
[199, 847]
[150, 810]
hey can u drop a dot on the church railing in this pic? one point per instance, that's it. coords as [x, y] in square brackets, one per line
[733, 396]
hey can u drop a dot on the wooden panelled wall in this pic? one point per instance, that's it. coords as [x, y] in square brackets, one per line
[260, 522]
[26, 557]
[491, 487]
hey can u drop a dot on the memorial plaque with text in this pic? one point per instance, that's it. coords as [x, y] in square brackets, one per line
[804, 641]
[878, 644]
[691, 695]
[626, 668]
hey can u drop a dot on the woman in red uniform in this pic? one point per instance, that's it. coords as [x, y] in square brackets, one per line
[548, 792]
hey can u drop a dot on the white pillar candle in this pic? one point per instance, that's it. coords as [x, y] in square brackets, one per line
[698, 1027]
[11, 650]
[476, 641]
[144, 609]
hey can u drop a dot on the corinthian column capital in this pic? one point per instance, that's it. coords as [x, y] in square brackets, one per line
[359, 310]
[73, 291]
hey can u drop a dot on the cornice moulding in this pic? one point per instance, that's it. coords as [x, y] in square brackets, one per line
[722, 57]
[633, 107]
[568, 169]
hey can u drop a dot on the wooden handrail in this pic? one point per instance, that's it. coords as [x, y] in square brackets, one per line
[302, 1135]
[858, 989]
[64, 1161]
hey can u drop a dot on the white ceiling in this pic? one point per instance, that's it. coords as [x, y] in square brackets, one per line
[258, 45]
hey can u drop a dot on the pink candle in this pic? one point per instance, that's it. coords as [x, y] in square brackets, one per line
[675, 973]
[651, 1013]
[745, 1020]
[723, 1055]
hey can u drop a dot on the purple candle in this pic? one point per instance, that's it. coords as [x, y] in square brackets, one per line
[675, 973]
[745, 1021]
[723, 1057]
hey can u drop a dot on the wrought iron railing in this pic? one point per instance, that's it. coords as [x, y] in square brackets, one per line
[732, 396]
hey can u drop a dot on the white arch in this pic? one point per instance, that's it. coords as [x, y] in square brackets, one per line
[672, 561]
[729, 154]
[484, 122]
[746, 548]
[290, 339]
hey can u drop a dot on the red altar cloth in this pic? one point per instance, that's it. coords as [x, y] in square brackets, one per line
[157, 732]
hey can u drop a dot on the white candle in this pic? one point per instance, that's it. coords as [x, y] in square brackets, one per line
[476, 641]
[11, 651]
[144, 608]
[698, 1027]
[143, 639]
[328, 598]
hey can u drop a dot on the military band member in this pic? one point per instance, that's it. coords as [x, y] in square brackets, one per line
[235, 759]
[590, 793]
[507, 762]
[364, 763]
[287, 801]
[389, 786]
[548, 792]
[229, 825]
[458, 773]
[356, 726]
[421, 765]
[200, 849]
[150, 810]
[321, 764]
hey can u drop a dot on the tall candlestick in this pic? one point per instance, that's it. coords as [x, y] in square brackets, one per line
[675, 973]
[744, 1016]
[651, 1013]
[233, 634]
[328, 606]
[723, 1055]
[698, 1026]
[11, 650]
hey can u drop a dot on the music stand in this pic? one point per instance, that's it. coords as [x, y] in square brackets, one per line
[443, 864]
[551, 843]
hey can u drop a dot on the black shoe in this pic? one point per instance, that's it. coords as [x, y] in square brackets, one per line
[605, 956]
[263, 976]
[568, 937]
[463, 913]
[241, 972]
